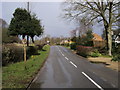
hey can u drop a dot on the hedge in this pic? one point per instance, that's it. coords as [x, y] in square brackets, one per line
[12, 53]
[84, 50]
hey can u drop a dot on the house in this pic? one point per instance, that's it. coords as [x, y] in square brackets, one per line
[116, 36]
[117, 39]
[97, 40]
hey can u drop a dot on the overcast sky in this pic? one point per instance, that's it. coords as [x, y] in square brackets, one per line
[48, 12]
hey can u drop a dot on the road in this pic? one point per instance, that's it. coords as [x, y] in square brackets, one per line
[64, 69]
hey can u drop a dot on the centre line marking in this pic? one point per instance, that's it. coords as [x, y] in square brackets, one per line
[92, 81]
[63, 54]
[66, 58]
[73, 64]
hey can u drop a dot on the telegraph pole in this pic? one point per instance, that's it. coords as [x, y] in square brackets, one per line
[27, 35]
[28, 6]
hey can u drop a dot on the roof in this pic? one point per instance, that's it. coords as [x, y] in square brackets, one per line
[97, 37]
[117, 38]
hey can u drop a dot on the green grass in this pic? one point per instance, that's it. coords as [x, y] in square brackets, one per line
[67, 47]
[16, 76]
[107, 56]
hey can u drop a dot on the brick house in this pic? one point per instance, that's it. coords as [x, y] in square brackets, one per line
[97, 40]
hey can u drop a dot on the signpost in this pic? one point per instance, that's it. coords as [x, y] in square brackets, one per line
[24, 42]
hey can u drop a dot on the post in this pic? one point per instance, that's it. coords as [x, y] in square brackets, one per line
[24, 47]
[27, 35]
[24, 53]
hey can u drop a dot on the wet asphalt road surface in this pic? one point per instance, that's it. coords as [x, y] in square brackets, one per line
[64, 69]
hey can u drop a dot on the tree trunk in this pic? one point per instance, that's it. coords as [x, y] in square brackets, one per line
[106, 35]
[23, 36]
[32, 37]
[27, 40]
[109, 29]
[109, 42]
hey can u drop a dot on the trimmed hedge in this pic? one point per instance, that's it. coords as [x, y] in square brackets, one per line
[12, 53]
[83, 50]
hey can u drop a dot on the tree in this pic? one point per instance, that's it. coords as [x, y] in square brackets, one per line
[95, 11]
[73, 35]
[86, 39]
[35, 27]
[7, 38]
[19, 22]
[23, 23]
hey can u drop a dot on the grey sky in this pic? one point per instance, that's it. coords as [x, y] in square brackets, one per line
[48, 12]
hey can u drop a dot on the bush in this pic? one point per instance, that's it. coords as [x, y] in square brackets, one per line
[73, 46]
[89, 43]
[116, 58]
[6, 57]
[83, 50]
[31, 50]
[11, 54]
[95, 53]
[66, 44]
[116, 50]
[103, 50]
[40, 47]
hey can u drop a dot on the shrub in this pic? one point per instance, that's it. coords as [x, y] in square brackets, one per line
[31, 50]
[66, 44]
[83, 50]
[89, 43]
[40, 47]
[95, 53]
[116, 58]
[116, 50]
[6, 57]
[103, 50]
[11, 54]
[73, 46]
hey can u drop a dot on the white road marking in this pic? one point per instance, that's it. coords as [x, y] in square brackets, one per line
[66, 58]
[92, 81]
[63, 54]
[113, 85]
[73, 64]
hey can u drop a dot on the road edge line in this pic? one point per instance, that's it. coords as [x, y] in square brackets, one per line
[92, 81]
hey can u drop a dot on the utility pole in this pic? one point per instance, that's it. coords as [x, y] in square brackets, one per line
[24, 47]
[27, 35]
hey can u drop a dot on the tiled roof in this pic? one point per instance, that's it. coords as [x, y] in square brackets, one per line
[97, 37]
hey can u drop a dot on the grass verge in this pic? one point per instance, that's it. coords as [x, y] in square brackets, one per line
[16, 76]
